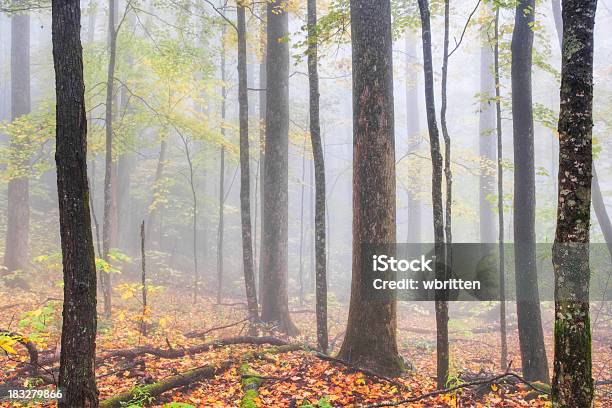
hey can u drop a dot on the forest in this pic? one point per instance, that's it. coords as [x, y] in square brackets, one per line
[302, 203]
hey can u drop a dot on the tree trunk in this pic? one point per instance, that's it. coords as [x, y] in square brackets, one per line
[245, 176]
[486, 139]
[18, 196]
[78, 343]
[109, 234]
[436, 193]
[301, 250]
[319, 169]
[500, 202]
[413, 127]
[262, 144]
[159, 172]
[531, 337]
[370, 339]
[599, 204]
[143, 278]
[274, 246]
[220, 229]
[572, 380]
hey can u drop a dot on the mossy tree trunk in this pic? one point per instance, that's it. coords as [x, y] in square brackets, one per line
[572, 381]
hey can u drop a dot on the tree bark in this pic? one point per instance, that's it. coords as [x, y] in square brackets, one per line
[572, 380]
[109, 228]
[18, 195]
[370, 339]
[78, 342]
[245, 175]
[262, 145]
[500, 202]
[319, 176]
[274, 246]
[436, 194]
[531, 337]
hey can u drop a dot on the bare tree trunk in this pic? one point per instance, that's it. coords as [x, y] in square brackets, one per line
[413, 127]
[370, 339]
[18, 196]
[531, 337]
[220, 229]
[486, 139]
[245, 176]
[436, 194]
[319, 169]
[143, 279]
[78, 344]
[154, 205]
[109, 234]
[572, 380]
[221, 226]
[301, 251]
[500, 202]
[262, 144]
[274, 246]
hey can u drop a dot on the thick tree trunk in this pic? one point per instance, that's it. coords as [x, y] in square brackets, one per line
[436, 193]
[245, 176]
[109, 234]
[486, 139]
[413, 127]
[572, 380]
[274, 246]
[18, 196]
[370, 339]
[78, 343]
[500, 202]
[531, 337]
[319, 175]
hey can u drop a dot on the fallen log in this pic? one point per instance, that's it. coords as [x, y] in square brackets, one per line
[188, 377]
[201, 333]
[250, 385]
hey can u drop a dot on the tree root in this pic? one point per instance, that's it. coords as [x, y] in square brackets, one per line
[189, 377]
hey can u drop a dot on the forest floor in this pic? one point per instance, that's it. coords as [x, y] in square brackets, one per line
[285, 378]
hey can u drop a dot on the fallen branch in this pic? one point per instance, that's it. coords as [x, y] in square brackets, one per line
[201, 333]
[486, 381]
[188, 377]
[181, 352]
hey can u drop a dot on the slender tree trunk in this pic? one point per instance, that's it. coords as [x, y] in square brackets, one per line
[301, 251]
[531, 337]
[274, 246]
[319, 170]
[413, 127]
[436, 194]
[78, 343]
[262, 144]
[221, 225]
[572, 380]
[370, 339]
[109, 234]
[143, 278]
[245, 176]
[486, 139]
[500, 201]
[18, 196]
[157, 181]
[220, 230]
